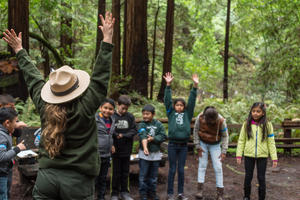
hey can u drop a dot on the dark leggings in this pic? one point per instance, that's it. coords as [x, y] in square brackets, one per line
[261, 165]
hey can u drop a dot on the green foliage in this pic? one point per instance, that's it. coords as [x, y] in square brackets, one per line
[28, 113]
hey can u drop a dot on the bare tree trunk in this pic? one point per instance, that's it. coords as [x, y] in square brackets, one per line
[18, 19]
[136, 46]
[168, 51]
[66, 31]
[225, 80]
[153, 54]
[116, 71]
[124, 39]
[101, 10]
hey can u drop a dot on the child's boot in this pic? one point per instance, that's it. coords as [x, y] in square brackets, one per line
[220, 192]
[199, 194]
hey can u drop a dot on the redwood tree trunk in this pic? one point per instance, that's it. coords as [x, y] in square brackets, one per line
[168, 51]
[101, 11]
[116, 71]
[225, 80]
[18, 19]
[124, 39]
[136, 47]
[153, 54]
[66, 31]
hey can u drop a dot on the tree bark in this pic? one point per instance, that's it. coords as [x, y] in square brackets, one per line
[225, 80]
[18, 19]
[101, 11]
[136, 47]
[124, 39]
[153, 54]
[116, 70]
[66, 31]
[168, 51]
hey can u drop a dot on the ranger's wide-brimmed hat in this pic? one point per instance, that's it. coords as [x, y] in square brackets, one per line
[64, 85]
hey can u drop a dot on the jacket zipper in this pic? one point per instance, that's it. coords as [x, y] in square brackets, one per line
[256, 142]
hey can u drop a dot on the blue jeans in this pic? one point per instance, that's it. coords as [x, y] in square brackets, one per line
[148, 177]
[215, 152]
[3, 187]
[176, 153]
[9, 181]
[101, 179]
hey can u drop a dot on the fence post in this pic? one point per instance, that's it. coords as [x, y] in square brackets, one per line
[287, 134]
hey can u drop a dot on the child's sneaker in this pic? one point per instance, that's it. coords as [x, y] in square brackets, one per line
[181, 197]
[114, 197]
[125, 196]
[170, 197]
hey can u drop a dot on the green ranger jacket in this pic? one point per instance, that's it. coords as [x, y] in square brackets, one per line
[80, 152]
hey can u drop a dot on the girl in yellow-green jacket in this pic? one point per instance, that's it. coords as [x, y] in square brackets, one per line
[256, 142]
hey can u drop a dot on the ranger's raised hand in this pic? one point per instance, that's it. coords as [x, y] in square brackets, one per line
[107, 27]
[14, 41]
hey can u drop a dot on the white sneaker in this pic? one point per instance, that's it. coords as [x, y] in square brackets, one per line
[125, 196]
[181, 197]
[114, 198]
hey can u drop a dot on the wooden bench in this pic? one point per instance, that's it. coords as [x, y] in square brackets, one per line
[286, 125]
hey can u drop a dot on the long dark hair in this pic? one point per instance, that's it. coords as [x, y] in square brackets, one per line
[262, 121]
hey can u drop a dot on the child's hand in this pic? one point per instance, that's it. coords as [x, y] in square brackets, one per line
[168, 78]
[150, 138]
[21, 146]
[146, 152]
[222, 157]
[195, 80]
[14, 41]
[199, 151]
[274, 164]
[113, 149]
[120, 135]
[20, 125]
[238, 161]
[107, 27]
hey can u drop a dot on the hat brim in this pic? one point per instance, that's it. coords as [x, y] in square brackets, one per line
[49, 97]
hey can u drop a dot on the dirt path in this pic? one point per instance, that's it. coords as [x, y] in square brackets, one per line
[282, 183]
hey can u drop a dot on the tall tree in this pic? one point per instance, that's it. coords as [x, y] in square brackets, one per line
[153, 52]
[136, 64]
[124, 38]
[101, 11]
[66, 29]
[168, 51]
[18, 19]
[116, 7]
[225, 81]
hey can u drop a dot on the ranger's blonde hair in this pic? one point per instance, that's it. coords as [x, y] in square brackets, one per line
[53, 137]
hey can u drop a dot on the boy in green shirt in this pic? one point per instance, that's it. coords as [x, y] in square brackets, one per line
[152, 134]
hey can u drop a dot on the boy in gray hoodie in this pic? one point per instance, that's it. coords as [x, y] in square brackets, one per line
[8, 118]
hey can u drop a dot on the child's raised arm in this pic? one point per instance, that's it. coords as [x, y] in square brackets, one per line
[195, 80]
[168, 94]
[168, 78]
[192, 97]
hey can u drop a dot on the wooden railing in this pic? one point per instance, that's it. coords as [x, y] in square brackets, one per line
[287, 126]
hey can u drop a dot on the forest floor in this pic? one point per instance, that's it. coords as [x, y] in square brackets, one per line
[282, 182]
